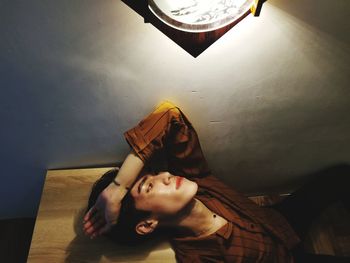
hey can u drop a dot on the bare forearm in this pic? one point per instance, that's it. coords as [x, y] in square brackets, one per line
[127, 173]
[107, 206]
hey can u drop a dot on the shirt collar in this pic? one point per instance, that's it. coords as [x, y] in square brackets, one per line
[225, 231]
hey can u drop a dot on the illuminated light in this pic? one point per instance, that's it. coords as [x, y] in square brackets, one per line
[199, 15]
[256, 7]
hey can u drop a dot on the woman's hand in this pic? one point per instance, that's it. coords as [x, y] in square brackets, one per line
[104, 214]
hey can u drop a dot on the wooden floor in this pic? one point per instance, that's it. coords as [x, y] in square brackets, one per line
[330, 233]
[58, 235]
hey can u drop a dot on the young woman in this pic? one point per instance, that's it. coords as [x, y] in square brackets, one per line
[209, 221]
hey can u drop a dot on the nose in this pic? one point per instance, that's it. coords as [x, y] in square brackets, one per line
[166, 176]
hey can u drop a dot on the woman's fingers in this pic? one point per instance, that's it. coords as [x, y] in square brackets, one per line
[101, 216]
[90, 213]
[93, 231]
[91, 216]
[92, 220]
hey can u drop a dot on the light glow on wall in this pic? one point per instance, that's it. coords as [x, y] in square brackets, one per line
[199, 15]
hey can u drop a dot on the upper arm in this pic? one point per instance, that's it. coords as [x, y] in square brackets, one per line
[167, 128]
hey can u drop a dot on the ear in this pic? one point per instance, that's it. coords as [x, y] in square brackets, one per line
[147, 226]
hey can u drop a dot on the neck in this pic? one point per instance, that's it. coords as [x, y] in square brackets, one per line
[195, 218]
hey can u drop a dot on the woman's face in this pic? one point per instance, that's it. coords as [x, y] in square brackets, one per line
[163, 193]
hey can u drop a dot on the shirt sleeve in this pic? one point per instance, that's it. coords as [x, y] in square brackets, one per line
[197, 258]
[167, 128]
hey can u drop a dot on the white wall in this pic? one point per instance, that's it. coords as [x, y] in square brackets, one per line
[270, 99]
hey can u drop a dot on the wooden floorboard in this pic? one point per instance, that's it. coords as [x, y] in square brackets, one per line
[57, 236]
[329, 234]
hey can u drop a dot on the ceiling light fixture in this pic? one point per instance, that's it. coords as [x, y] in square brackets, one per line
[202, 15]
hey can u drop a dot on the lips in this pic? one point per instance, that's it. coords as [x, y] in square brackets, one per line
[178, 181]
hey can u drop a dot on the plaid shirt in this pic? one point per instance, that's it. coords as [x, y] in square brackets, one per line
[252, 234]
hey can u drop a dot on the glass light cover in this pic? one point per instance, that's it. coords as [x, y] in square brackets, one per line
[199, 15]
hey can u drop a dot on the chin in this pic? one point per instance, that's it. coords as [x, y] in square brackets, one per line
[195, 188]
[192, 189]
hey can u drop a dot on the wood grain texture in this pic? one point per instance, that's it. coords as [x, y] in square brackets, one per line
[58, 235]
[329, 234]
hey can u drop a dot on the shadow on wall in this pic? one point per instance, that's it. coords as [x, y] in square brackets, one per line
[14, 199]
[322, 15]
